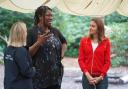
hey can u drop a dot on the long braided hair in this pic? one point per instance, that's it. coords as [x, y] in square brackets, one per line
[40, 11]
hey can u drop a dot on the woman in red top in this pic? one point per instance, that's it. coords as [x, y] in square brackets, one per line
[94, 57]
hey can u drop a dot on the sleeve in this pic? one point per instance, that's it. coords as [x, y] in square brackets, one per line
[61, 37]
[107, 59]
[22, 61]
[81, 57]
[30, 38]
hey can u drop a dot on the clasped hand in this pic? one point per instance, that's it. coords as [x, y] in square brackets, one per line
[95, 80]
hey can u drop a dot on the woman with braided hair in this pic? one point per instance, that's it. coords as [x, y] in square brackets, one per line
[46, 46]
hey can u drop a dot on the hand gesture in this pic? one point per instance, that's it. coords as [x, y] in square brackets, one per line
[42, 38]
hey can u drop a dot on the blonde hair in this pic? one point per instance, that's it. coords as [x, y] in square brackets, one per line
[18, 34]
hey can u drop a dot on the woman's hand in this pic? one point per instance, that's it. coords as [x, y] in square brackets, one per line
[90, 79]
[42, 38]
[98, 79]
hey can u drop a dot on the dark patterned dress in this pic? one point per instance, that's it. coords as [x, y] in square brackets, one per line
[47, 60]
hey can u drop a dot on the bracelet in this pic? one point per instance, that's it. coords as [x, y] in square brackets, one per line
[62, 57]
[37, 45]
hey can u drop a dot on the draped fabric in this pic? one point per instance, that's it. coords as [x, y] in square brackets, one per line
[74, 7]
[1, 1]
[123, 8]
[88, 7]
[25, 6]
[7, 4]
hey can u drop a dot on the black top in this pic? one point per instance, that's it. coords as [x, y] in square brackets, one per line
[18, 68]
[47, 60]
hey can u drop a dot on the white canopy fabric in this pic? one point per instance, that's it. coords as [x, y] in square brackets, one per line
[25, 6]
[1, 1]
[88, 7]
[123, 8]
[74, 7]
[33, 4]
[7, 4]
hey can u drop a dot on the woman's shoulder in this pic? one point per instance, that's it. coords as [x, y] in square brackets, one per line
[33, 30]
[55, 30]
[106, 39]
[20, 52]
[20, 49]
[14, 50]
[85, 38]
[10, 48]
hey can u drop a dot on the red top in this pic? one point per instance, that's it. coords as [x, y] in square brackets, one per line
[96, 63]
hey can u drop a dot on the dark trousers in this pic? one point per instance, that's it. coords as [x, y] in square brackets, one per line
[53, 87]
[101, 85]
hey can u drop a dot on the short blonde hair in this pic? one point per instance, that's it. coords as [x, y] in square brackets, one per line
[18, 34]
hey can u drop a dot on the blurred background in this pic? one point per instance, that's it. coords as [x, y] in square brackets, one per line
[73, 28]
[73, 24]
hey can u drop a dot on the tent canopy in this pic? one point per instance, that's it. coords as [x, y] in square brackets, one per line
[74, 7]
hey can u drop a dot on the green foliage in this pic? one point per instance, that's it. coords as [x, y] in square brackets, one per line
[119, 41]
[73, 28]
[117, 61]
[7, 18]
[115, 18]
[119, 38]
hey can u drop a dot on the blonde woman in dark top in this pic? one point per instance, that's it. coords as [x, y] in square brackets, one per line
[18, 64]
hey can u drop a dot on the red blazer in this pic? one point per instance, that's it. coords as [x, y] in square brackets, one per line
[96, 63]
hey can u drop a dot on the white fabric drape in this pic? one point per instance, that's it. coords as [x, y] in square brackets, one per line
[123, 8]
[2, 1]
[8, 5]
[52, 3]
[25, 6]
[74, 7]
[33, 4]
[88, 7]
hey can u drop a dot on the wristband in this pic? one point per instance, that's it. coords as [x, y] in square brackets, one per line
[62, 57]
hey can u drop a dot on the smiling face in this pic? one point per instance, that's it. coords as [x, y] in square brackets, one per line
[96, 29]
[93, 28]
[47, 18]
